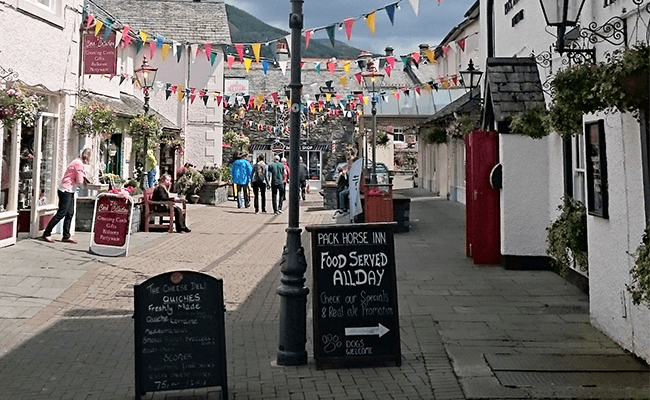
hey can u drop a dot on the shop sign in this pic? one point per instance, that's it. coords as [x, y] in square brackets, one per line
[111, 225]
[99, 54]
[235, 86]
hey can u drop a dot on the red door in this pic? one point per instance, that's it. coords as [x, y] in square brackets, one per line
[482, 201]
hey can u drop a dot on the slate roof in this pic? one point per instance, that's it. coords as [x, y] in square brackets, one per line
[468, 103]
[126, 106]
[512, 86]
[179, 20]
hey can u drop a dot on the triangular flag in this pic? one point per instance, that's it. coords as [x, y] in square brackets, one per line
[173, 88]
[302, 63]
[256, 50]
[348, 26]
[417, 90]
[283, 67]
[365, 100]
[358, 76]
[288, 39]
[328, 96]
[213, 58]
[391, 61]
[454, 78]
[208, 50]
[122, 78]
[218, 98]
[344, 80]
[126, 40]
[240, 51]
[416, 56]
[275, 97]
[370, 20]
[143, 36]
[265, 66]
[205, 98]
[159, 41]
[107, 28]
[247, 63]
[180, 93]
[138, 45]
[194, 51]
[89, 20]
[331, 66]
[346, 65]
[416, 5]
[231, 59]
[168, 92]
[125, 31]
[390, 10]
[404, 60]
[179, 52]
[396, 94]
[388, 69]
[98, 26]
[430, 55]
[330, 33]
[192, 97]
[445, 50]
[118, 38]
[307, 37]
[317, 66]
[152, 49]
[461, 43]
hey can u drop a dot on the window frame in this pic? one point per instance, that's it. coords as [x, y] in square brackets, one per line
[52, 14]
[596, 152]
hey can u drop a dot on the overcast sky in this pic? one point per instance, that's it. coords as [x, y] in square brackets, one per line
[433, 22]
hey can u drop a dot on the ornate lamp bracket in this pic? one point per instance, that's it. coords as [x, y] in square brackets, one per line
[614, 31]
[8, 75]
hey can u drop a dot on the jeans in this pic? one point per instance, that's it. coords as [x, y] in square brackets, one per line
[275, 189]
[344, 196]
[66, 210]
[259, 188]
[243, 199]
[151, 177]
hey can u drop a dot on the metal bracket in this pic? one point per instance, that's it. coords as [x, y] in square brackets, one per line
[8, 75]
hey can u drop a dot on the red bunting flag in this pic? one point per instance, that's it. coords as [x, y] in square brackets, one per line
[348, 26]
[307, 37]
[391, 61]
[174, 89]
[445, 50]
[417, 90]
[89, 20]
[454, 79]
[152, 50]
[208, 50]
[358, 76]
[240, 51]
[331, 66]
[126, 30]
[461, 43]
[416, 56]
[231, 59]
[388, 68]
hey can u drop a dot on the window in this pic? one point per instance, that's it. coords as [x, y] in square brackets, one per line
[579, 169]
[596, 161]
[398, 135]
[47, 10]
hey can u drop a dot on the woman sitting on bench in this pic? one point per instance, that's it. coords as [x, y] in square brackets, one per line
[161, 193]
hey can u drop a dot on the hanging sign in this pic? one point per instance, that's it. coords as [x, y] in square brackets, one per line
[355, 294]
[111, 225]
[99, 54]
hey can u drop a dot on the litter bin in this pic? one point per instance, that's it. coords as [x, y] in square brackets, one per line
[378, 203]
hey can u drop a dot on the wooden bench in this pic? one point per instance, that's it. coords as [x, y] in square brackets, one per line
[165, 219]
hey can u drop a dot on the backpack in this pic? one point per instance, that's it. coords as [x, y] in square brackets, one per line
[258, 173]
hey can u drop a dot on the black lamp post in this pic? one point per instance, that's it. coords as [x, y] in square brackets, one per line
[561, 13]
[372, 81]
[292, 290]
[146, 76]
[471, 77]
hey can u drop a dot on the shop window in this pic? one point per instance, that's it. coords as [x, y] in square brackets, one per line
[398, 135]
[5, 169]
[48, 134]
[47, 10]
[579, 167]
[596, 162]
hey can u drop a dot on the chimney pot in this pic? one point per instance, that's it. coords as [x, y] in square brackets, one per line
[389, 51]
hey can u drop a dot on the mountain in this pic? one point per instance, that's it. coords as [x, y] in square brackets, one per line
[245, 28]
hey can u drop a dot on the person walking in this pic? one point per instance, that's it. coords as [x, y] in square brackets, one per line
[260, 182]
[287, 173]
[161, 193]
[302, 177]
[152, 163]
[276, 170]
[74, 176]
[241, 176]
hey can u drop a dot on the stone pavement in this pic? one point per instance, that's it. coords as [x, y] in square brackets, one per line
[467, 331]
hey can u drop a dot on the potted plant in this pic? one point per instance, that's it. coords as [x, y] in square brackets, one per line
[17, 105]
[567, 237]
[145, 129]
[534, 123]
[189, 183]
[95, 120]
[235, 141]
[435, 135]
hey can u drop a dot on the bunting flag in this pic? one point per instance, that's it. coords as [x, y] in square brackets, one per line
[143, 36]
[370, 20]
[461, 43]
[208, 50]
[330, 33]
[122, 78]
[417, 90]
[445, 50]
[348, 27]
[265, 66]
[138, 46]
[390, 10]
[213, 58]
[454, 78]
[240, 52]
[165, 50]
[125, 40]
[152, 49]
[125, 31]
[205, 98]
[168, 91]
[344, 80]
[192, 96]
[317, 66]
[388, 69]
[358, 76]
[194, 51]
[391, 61]
[89, 20]
[283, 67]
[180, 93]
[416, 6]
[396, 94]
[346, 65]
[307, 37]
[404, 60]
[118, 38]
[98, 27]
[218, 99]
[231, 59]
[331, 66]
[275, 97]
[247, 63]
[365, 100]
[416, 57]
[107, 28]
[179, 52]
[257, 47]
[430, 55]
[159, 41]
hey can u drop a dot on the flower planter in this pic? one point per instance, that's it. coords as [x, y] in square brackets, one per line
[192, 198]
[213, 193]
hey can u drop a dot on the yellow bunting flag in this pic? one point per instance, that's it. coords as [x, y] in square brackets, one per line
[346, 65]
[430, 55]
[344, 80]
[165, 49]
[328, 96]
[370, 20]
[427, 88]
[365, 100]
[98, 27]
[180, 93]
[256, 50]
[247, 63]
[143, 36]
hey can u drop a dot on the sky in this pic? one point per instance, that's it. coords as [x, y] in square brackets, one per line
[431, 25]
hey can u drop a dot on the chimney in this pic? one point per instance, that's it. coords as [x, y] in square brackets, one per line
[389, 51]
[283, 52]
[424, 47]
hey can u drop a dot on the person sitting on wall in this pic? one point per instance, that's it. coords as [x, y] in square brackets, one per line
[161, 193]
[74, 176]
[343, 190]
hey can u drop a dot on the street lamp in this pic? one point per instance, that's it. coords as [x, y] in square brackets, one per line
[561, 13]
[471, 77]
[146, 76]
[372, 80]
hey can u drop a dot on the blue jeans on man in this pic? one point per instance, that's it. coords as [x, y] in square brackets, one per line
[344, 199]
[65, 212]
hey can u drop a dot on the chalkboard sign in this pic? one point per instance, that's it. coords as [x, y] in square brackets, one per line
[356, 318]
[111, 227]
[179, 333]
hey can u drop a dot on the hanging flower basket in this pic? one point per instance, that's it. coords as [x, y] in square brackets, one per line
[95, 120]
[17, 105]
[145, 127]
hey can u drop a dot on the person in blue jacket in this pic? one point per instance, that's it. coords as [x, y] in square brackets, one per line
[241, 176]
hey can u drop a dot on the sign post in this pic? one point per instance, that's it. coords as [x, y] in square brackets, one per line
[180, 340]
[111, 228]
[356, 318]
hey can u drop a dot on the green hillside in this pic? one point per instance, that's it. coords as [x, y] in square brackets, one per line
[245, 28]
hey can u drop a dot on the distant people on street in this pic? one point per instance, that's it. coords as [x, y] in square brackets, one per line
[161, 193]
[260, 182]
[74, 176]
[276, 170]
[302, 177]
[152, 165]
[241, 176]
[287, 172]
[343, 189]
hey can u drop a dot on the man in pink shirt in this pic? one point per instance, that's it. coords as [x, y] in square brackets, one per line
[74, 176]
